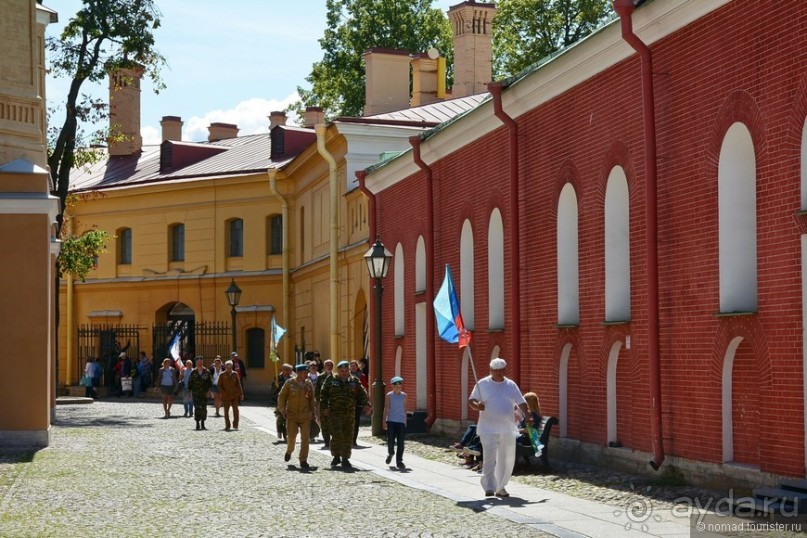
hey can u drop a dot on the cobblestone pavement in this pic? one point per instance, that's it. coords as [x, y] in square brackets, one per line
[115, 468]
[638, 499]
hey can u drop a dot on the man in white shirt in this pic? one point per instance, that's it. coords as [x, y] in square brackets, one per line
[495, 397]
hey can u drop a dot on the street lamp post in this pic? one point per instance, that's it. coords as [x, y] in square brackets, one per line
[233, 293]
[378, 260]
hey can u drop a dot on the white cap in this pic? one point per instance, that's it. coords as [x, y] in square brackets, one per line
[498, 364]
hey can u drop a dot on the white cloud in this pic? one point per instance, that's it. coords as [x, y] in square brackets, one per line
[251, 117]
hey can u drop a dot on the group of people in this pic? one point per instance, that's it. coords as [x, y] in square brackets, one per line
[336, 401]
[132, 377]
[311, 393]
[223, 381]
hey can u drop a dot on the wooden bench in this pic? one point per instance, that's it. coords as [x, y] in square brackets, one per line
[526, 454]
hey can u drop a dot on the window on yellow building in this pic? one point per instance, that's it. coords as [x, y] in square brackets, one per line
[235, 238]
[124, 246]
[176, 238]
[274, 234]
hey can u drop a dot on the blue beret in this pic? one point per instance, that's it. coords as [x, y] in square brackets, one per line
[301, 367]
[396, 379]
[342, 363]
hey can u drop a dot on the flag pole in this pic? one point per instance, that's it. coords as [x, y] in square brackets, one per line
[471, 359]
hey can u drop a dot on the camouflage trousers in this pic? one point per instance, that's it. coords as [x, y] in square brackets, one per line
[342, 433]
[325, 425]
[200, 408]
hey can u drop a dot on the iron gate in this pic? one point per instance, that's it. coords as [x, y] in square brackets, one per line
[206, 339]
[105, 343]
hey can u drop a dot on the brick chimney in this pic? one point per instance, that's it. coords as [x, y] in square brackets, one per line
[124, 111]
[313, 116]
[386, 80]
[276, 117]
[424, 80]
[472, 23]
[172, 128]
[220, 131]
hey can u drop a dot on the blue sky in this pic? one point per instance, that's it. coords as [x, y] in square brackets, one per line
[232, 61]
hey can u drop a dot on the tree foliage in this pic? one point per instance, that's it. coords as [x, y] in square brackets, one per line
[103, 36]
[79, 253]
[355, 26]
[524, 31]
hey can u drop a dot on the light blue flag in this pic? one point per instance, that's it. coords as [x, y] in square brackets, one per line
[173, 350]
[277, 333]
[447, 314]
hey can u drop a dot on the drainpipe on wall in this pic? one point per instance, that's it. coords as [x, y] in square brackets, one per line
[625, 10]
[284, 212]
[495, 89]
[71, 330]
[431, 380]
[334, 242]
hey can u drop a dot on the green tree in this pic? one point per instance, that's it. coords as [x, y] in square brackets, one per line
[79, 253]
[355, 26]
[103, 36]
[524, 31]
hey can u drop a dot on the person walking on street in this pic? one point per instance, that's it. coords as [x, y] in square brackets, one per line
[167, 378]
[340, 396]
[231, 393]
[187, 398]
[495, 397]
[199, 385]
[395, 421]
[215, 372]
[358, 374]
[324, 422]
[296, 404]
[241, 369]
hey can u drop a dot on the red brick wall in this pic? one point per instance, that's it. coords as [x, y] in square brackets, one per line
[744, 62]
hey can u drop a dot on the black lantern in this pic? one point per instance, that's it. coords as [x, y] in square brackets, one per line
[378, 260]
[233, 293]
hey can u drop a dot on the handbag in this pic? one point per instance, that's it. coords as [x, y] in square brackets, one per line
[86, 381]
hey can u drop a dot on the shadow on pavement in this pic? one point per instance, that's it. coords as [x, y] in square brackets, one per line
[487, 503]
[109, 421]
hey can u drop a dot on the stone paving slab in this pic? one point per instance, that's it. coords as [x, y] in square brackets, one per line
[117, 469]
[552, 512]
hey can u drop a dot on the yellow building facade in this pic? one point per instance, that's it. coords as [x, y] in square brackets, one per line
[27, 216]
[185, 230]
[290, 197]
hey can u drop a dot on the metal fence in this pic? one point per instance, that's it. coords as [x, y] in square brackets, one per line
[105, 343]
[206, 339]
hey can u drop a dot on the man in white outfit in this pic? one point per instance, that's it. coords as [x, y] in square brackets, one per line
[495, 397]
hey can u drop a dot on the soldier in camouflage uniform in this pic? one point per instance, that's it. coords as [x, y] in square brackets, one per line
[339, 397]
[296, 404]
[199, 385]
[324, 422]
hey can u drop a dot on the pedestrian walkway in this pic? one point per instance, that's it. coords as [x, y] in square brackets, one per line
[550, 512]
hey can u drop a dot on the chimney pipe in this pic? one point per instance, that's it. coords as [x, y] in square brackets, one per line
[124, 111]
[172, 128]
[386, 80]
[277, 117]
[219, 131]
[424, 79]
[313, 116]
[472, 23]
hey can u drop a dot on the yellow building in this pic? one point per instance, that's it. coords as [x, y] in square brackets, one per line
[27, 215]
[280, 214]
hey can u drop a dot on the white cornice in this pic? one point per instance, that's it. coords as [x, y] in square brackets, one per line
[591, 56]
[29, 204]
